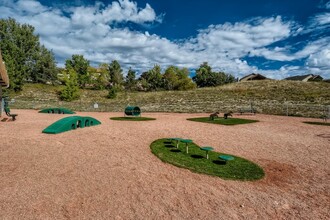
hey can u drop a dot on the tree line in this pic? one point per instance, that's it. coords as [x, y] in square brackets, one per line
[27, 60]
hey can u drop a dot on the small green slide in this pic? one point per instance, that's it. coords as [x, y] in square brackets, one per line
[70, 123]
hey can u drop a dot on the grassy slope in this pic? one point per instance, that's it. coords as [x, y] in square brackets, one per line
[267, 96]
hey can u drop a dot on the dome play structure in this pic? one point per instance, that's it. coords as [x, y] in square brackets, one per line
[70, 123]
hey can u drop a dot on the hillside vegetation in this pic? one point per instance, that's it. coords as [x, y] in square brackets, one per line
[267, 96]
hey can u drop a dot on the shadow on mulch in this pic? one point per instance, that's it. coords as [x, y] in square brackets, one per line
[6, 120]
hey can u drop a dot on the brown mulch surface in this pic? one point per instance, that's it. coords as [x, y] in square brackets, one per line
[108, 171]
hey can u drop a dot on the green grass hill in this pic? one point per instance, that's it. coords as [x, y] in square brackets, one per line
[294, 98]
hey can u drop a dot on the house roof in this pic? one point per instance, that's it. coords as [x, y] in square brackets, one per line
[4, 79]
[253, 76]
[304, 77]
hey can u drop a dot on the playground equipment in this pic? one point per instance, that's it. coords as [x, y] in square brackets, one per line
[56, 111]
[7, 109]
[70, 123]
[4, 81]
[132, 111]
[226, 158]
[207, 149]
[13, 116]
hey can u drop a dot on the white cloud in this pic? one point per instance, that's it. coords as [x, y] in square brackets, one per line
[284, 54]
[238, 39]
[121, 11]
[30, 6]
[284, 72]
[317, 23]
[320, 60]
[320, 20]
[91, 31]
[316, 63]
[327, 5]
[323, 19]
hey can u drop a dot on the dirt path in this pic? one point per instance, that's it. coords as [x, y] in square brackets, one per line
[108, 171]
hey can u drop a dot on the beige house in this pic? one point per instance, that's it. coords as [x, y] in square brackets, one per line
[4, 80]
[253, 76]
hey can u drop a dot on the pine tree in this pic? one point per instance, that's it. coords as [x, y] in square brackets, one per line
[25, 58]
[71, 90]
[130, 79]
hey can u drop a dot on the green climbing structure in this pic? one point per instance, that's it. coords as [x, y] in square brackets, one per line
[57, 111]
[70, 123]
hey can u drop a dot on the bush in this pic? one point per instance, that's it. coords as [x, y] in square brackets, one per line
[70, 93]
[112, 93]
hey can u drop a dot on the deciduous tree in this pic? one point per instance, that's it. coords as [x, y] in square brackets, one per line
[153, 79]
[99, 76]
[206, 77]
[177, 79]
[80, 65]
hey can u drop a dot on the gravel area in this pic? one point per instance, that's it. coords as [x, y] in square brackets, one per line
[108, 171]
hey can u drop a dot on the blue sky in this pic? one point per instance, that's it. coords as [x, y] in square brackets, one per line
[277, 38]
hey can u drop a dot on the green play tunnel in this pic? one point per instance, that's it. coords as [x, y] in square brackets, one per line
[132, 111]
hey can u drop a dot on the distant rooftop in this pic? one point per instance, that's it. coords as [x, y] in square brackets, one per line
[305, 78]
[253, 76]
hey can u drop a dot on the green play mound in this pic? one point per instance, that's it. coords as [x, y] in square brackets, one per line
[132, 118]
[70, 123]
[222, 165]
[56, 111]
[222, 121]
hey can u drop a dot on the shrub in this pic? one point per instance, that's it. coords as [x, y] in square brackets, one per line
[112, 93]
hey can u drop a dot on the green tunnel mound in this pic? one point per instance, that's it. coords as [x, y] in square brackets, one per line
[132, 111]
[70, 123]
[56, 111]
